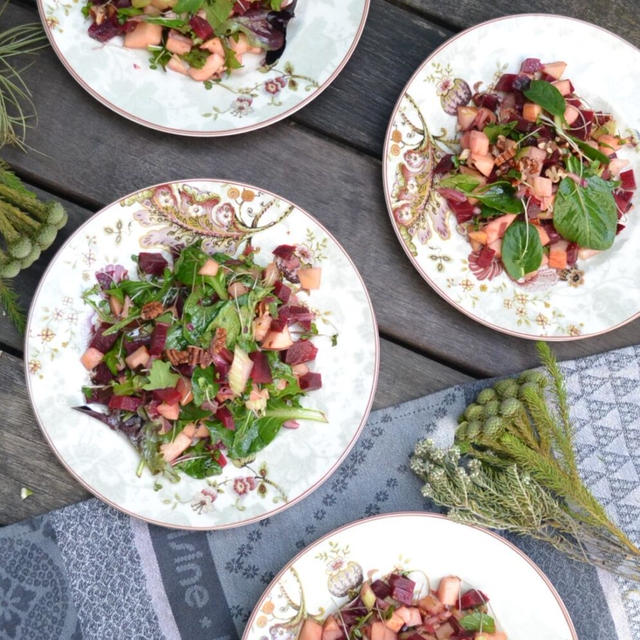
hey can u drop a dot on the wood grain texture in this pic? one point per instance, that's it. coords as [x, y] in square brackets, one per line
[619, 16]
[27, 461]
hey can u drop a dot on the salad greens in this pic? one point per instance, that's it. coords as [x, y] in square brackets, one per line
[537, 184]
[205, 359]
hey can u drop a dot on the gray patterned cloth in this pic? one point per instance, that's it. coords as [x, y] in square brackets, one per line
[88, 572]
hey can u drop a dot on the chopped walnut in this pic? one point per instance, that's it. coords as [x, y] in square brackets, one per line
[528, 166]
[555, 173]
[151, 310]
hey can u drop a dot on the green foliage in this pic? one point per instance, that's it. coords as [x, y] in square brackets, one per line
[518, 472]
[161, 377]
[547, 96]
[521, 249]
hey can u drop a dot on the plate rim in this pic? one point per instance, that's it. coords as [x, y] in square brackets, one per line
[396, 514]
[212, 133]
[277, 509]
[387, 190]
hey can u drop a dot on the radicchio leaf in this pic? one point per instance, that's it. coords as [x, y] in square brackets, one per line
[131, 427]
[268, 29]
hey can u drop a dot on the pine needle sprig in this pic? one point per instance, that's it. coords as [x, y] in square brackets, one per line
[513, 468]
[9, 300]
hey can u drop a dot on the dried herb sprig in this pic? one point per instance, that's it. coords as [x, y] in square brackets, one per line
[16, 106]
[513, 468]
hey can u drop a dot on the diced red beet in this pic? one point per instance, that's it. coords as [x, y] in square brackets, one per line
[619, 228]
[505, 83]
[472, 598]
[452, 195]
[282, 291]
[224, 415]
[226, 354]
[401, 588]
[301, 351]
[463, 212]
[152, 263]
[296, 313]
[125, 403]
[445, 165]
[554, 236]
[107, 29]
[101, 374]
[220, 458]
[572, 254]
[261, 371]
[100, 396]
[169, 395]
[574, 102]
[524, 126]
[602, 117]
[486, 100]
[201, 27]
[628, 180]
[132, 344]
[186, 369]
[100, 341]
[310, 381]
[277, 325]
[381, 589]
[221, 365]
[158, 339]
[284, 251]
[623, 199]
[485, 257]
[530, 65]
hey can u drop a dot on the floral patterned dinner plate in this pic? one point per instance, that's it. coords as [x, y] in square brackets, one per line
[599, 294]
[223, 216]
[320, 41]
[316, 582]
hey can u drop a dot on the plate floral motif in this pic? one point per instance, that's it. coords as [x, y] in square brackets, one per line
[597, 295]
[223, 216]
[354, 553]
[320, 40]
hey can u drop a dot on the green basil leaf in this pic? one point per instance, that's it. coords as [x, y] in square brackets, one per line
[478, 621]
[586, 215]
[461, 181]
[521, 249]
[188, 6]
[547, 96]
[500, 196]
[492, 131]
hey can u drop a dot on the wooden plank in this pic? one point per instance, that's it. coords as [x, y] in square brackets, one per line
[27, 461]
[97, 156]
[620, 16]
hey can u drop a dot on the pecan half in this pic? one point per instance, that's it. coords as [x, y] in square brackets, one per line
[151, 310]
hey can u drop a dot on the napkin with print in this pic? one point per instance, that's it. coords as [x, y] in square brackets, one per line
[88, 572]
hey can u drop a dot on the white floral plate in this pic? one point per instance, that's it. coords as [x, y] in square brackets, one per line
[320, 41]
[601, 293]
[316, 581]
[223, 215]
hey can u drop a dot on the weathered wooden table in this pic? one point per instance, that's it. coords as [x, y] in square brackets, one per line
[326, 158]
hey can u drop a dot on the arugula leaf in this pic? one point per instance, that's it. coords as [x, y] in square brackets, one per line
[547, 96]
[477, 621]
[586, 215]
[218, 12]
[204, 387]
[492, 131]
[129, 386]
[590, 152]
[161, 377]
[461, 181]
[188, 6]
[201, 463]
[171, 23]
[500, 196]
[196, 58]
[521, 249]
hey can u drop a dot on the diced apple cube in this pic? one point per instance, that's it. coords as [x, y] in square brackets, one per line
[608, 144]
[138, 358]
[449, 590]
[571, 114]
[478, 143]
[169, 411]
[311, 630]
[531, 111]
[331, 629]
[554, 69]
[466, 116]
[209, 268]
[483, 163]
[144, 35]
[277, 340]
[541, 186]
[563, 86]
[310, 277]
[91, 358]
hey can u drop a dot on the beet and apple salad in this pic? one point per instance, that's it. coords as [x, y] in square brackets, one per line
[201, 39]
[389, 609]
[537, 183]
[205, 359]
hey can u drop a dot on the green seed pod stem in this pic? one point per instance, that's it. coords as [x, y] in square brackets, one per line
[24, 201]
